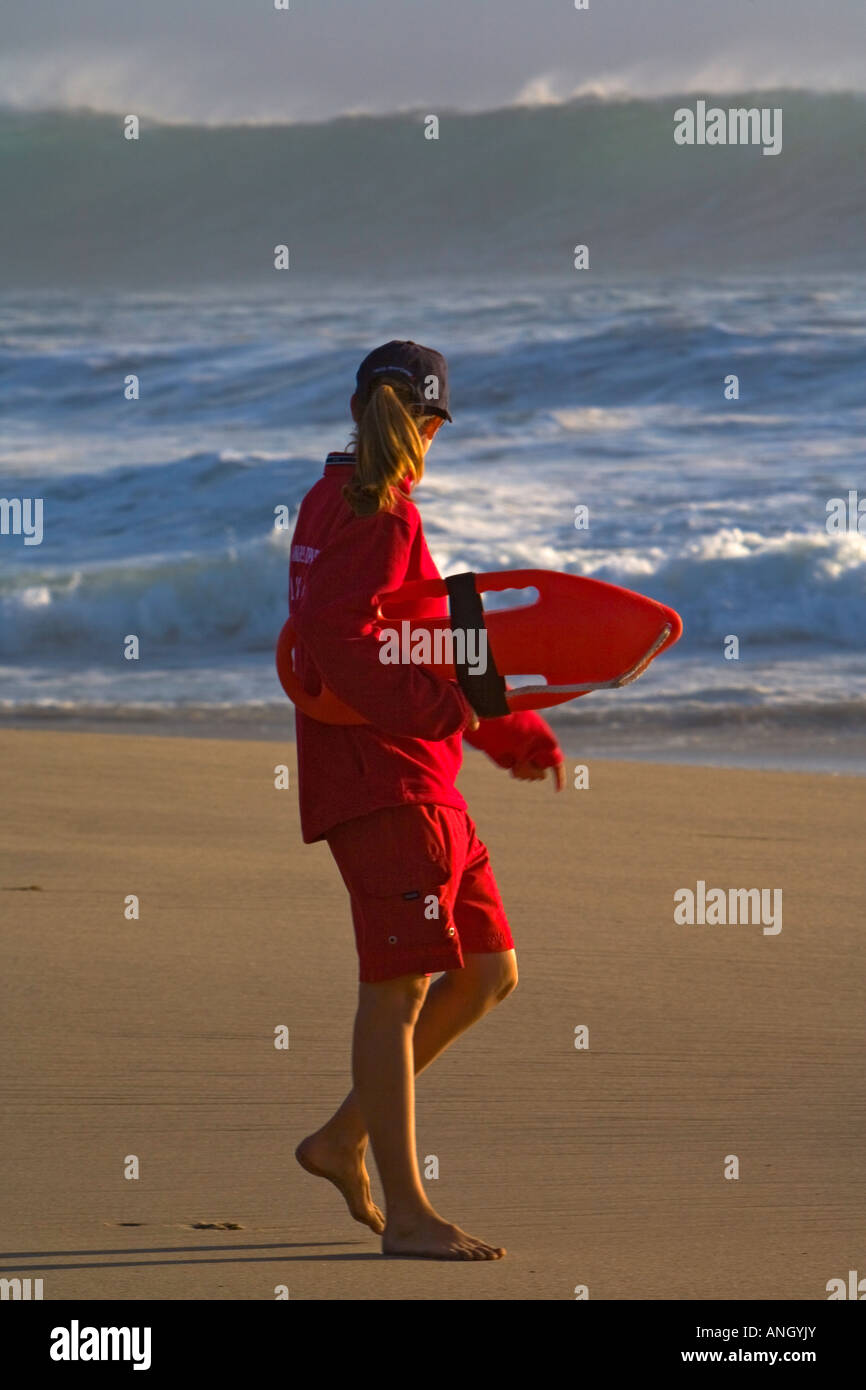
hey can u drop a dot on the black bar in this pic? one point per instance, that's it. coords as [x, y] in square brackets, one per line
[241, 1339]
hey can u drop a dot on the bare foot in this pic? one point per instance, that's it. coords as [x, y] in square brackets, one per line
[431, 1238]
[346, 1169]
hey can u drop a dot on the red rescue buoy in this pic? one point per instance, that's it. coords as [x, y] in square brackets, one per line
[580, 635]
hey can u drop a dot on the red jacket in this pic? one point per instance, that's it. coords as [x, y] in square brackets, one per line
[341, 567]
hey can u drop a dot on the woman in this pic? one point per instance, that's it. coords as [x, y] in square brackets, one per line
[423, 896]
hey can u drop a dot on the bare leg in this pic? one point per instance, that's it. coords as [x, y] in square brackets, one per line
[383, 1069]
[452, 1004]
[384, 1072]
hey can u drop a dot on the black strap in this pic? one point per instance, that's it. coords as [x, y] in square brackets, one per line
[485, 693]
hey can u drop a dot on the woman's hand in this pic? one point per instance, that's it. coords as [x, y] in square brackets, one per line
[523, 744]
[531, 772]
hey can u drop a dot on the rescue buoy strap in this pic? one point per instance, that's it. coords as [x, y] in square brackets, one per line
[485, 690]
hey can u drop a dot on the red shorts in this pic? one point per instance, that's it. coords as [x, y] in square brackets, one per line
[422, 890]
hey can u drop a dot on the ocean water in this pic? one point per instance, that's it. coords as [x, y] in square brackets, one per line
[567, 389]
[508, 191]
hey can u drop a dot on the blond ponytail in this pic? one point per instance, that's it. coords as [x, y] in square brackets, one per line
[388, 447]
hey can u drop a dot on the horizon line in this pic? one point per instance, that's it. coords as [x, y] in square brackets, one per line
[591, 96]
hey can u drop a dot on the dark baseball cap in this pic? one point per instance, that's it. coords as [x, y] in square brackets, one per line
[411, 364]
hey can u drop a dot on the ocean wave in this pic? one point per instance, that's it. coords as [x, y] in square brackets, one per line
[229, 597]
[614, 366]
[515, 190]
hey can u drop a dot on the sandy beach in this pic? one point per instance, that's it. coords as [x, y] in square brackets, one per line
[602, 1167]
